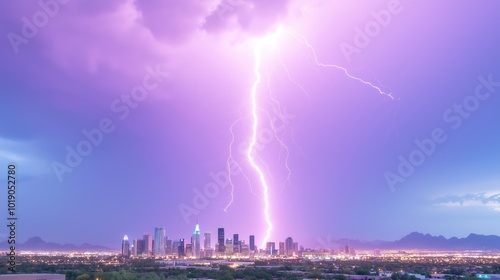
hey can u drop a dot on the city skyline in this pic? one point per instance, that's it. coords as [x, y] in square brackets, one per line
[316, 120]
[163, 245]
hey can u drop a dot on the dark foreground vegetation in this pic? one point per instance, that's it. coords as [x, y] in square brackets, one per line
[116, 268]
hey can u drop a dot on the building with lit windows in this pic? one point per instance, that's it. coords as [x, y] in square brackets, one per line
[271, 248]
[195, 242]
[252, 243]
[159, 242]
[281, 249]
[207, 241]
[181, 248]
[236, 243]
[148, 245]
[229, 246]
[125, 247]
[289, 246]
[137, 247]
[220, 240]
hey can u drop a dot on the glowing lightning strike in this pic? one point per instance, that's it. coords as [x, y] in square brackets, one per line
[230, 160]
[253, 141]
[251, 153]
[303, 40]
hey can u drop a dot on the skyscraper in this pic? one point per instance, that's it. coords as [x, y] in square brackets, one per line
[137, 245]
[244, 249]
[207, 242]
[175, 247]
[148, 245]
[229, 246]
[125, 247]
[133, 249]
[168, 246]
[181, 248]
[270, 248]
[195, 241]
[289, 246]
[220, 240]
[281, 250]
[159, 244]
[236, 243]
[252, 243]
[189, 250]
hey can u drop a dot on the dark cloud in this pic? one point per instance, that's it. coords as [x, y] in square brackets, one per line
[172, 20]
[98, 7]
[175, 21]
[252, 16]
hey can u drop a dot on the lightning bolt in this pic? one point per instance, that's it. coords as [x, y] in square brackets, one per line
[230, 160]
[304, 41]
[251, 153]
[251, 148]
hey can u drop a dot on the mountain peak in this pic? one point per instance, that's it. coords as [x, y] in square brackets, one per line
[35, 240]
[416, 240]
[36, 243]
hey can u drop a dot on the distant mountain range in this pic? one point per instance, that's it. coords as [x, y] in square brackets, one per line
[414, 240]
[37, 244]
[417, 240]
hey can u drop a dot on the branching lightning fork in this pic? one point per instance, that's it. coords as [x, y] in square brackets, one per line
[253, 158]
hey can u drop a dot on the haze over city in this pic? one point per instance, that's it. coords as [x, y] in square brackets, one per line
[324, 119]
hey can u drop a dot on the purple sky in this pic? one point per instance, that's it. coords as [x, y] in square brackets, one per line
[71, 66]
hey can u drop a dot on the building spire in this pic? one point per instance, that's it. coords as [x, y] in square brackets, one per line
[197, 228]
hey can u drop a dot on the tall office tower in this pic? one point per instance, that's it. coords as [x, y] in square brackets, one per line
[181, 248]
[289, 246]
[195, 242]
[295, 248]
[159, 244]
[270, 248]
[137, 247]
[168, 247]
[207, 242]
[175, 247]
[244, 249]
[148, 245]
[125, 247]
[229, 246]
[220, 240]
[140, 247]
[189, 250]
[133, 249]
[236, 243]
[281, 250]
[252, 243]
[346, 249]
